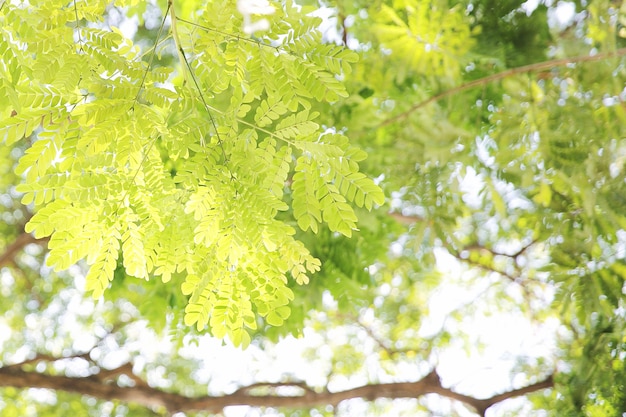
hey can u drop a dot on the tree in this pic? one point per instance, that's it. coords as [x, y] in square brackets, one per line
[210, 174]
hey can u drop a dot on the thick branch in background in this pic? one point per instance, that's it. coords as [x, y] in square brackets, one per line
[142, 394]
[8, 256]
[404, 219]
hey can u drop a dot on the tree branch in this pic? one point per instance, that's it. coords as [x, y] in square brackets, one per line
[142, 394]
[106, 375]
[540, 66]
[8, 256]
[406, 220]
[493, 252]
[385, 346]
[537, 386]
[273, 385]
[483, 266]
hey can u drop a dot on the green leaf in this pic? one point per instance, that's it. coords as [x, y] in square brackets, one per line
[296, 125]
[101, 272]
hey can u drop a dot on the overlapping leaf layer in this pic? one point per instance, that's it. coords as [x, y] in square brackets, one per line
[180, 171]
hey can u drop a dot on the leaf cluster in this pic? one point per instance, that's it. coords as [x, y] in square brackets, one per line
[181, 171]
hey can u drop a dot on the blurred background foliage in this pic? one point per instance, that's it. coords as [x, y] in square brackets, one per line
[507, 202]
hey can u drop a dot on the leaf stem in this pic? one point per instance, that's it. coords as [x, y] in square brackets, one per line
[230, 35]
[183, 59]
[156, 43]
[77, 27]
[179, 47]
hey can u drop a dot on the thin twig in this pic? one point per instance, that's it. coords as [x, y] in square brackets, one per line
[153, 141]
[183, 58]
[230, 35]
[156, 43]
[485, 267]
[494, 77]
[496, 253]
[77, 27]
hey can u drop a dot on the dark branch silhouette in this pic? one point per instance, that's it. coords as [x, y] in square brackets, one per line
[11, 251]
[103, 386]
[406, 220]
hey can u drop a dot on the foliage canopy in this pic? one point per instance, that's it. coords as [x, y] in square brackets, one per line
[215, 164]
[181, 175]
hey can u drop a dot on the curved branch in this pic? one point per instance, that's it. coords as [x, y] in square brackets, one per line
[147, 396]
[273, 385]
[406, 220]
[8, 256]
[540, 66]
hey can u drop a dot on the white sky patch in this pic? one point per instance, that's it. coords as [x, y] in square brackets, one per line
[248, 8]
[529, 6]
[5, 333]
[329, 24]
[129, 26]
[472, 185]
[498, 342]
[562, 15]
